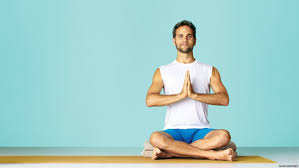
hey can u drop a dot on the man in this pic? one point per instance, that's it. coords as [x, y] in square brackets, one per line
[186, 84]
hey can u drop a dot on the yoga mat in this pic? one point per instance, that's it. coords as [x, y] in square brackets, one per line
[122, 159]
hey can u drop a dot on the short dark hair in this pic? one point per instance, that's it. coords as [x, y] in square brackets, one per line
[184, 23]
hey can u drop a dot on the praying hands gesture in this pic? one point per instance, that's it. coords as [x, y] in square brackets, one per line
[219, 97]
[187, 87]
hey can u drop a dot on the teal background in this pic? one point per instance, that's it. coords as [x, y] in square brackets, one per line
[76, 73]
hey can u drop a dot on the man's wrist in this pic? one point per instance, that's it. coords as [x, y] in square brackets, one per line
[193, 95]
[181, 96]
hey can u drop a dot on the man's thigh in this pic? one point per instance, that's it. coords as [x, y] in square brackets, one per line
[204, 133]
[217, 132]
[166, 134]
[172, 134]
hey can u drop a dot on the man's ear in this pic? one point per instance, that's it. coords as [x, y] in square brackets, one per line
[173, 41]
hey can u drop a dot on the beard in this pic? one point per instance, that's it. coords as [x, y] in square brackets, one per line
[184, 50]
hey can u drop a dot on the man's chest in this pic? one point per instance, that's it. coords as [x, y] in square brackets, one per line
[174, 80]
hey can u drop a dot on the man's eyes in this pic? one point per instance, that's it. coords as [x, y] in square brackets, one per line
[189, 36]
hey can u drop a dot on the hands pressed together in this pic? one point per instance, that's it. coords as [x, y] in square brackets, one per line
[187, 87]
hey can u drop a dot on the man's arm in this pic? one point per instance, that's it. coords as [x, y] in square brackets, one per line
[154, 98]
[220, 96]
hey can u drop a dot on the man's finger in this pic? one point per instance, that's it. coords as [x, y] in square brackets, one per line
[186, 79]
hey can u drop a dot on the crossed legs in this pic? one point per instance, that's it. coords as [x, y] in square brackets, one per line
[166, 146]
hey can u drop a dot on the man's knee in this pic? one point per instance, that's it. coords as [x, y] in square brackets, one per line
[224, 137]
[158, 140]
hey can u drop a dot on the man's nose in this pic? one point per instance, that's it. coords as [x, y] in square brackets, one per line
[185, 39]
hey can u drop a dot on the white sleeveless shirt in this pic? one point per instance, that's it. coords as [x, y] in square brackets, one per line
[186, 113]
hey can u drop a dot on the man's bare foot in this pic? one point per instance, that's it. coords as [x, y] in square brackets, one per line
[158, 153]
[227, 154]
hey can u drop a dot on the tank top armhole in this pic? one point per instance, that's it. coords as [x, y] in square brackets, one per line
[210, 73]
[161, 74]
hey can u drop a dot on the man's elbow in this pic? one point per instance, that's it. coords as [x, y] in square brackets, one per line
[148, 101]
[226, 101]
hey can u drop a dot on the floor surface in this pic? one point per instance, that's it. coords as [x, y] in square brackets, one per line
[285, 157]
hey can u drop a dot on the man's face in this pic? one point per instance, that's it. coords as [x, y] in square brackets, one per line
[184, 39]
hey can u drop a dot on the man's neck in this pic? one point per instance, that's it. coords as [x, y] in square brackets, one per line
[185, 58]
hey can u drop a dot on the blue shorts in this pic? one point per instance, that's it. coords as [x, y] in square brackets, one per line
[188, 135]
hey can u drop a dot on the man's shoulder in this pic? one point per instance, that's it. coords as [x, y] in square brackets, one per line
[165, 66]
[174, 65]
[204, 64]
